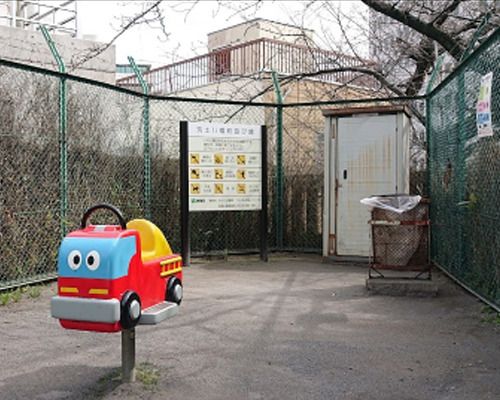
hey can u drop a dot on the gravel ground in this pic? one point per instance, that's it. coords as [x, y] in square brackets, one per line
[290, 329]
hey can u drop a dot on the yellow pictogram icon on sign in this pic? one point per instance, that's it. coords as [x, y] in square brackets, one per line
[219, 188]
[241, 159]
[195, 188]
[241, 174]
[195, 174]
[195, 158]
[241, 188]
[219, 174]
[218, 158]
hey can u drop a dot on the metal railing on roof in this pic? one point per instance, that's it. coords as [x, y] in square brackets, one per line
[248, 60]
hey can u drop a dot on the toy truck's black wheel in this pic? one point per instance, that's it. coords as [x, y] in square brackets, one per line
[130, 310]
[174, 290]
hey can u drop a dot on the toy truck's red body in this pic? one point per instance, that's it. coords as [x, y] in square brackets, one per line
[109, 277]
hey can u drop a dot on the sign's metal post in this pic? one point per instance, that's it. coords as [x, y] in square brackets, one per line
[263, 211]
[184, 193]
[128, 355]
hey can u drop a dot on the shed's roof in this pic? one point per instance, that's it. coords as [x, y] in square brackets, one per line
[375, 109]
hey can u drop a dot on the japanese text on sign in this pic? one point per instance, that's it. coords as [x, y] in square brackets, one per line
[225, 167]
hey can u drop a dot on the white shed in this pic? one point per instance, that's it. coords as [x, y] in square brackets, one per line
[366, 153]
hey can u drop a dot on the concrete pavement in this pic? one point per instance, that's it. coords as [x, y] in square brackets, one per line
[290, 329]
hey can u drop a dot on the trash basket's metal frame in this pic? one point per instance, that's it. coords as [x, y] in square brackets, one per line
[422, 271]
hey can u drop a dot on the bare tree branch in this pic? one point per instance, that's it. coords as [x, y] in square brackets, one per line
[424, 61]
[445, 13]
[452, 45]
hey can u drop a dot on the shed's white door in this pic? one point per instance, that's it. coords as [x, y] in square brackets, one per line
[366, 166]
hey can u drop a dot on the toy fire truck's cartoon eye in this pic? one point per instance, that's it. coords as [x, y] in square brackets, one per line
[93, 260]
[74, 260]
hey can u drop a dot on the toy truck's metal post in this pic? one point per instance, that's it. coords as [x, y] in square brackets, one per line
[279, 162]
[63, 151]
[147, 152]
[128, 355]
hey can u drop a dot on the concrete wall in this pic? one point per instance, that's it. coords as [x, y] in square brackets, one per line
[304, 125]
[166, 115]
[29, 47]
[227, 89]
[303, 143]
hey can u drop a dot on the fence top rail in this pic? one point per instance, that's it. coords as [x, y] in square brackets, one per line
[355, 101]
[104, 85]
[56, 74]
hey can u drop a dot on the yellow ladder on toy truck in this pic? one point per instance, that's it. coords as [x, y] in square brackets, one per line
[171, 266]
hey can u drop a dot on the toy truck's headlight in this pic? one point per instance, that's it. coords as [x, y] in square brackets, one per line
[74, 259]
[93, 260]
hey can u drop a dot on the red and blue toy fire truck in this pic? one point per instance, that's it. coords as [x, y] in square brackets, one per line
[113, 277]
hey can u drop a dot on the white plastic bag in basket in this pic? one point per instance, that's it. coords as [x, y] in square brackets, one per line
[398, 204]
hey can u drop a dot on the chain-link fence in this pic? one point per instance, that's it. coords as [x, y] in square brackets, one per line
[29, 168]
[465, 175]
[102, 151]
[68, 143]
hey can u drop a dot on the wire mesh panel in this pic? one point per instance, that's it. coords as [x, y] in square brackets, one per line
[465, 175]
[105, 152]
[29, 165]
[303, 169]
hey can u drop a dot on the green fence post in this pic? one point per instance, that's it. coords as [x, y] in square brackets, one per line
[460, 194]
[428, 97]
[279, 161]
[428, 133]
[63, 149]
[147, 152]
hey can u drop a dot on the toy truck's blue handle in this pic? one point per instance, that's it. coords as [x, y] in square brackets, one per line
[104, 206]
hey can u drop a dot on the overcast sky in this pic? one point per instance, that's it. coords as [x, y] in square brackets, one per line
[188, 30]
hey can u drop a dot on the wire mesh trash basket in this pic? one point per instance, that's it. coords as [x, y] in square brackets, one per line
[400, 237]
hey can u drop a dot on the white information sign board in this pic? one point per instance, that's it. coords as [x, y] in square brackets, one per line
[224, 167]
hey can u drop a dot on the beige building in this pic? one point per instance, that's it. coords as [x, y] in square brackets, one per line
[21, 40]
[239, 66]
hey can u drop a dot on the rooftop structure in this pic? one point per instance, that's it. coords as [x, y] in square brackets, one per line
[248, 50]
